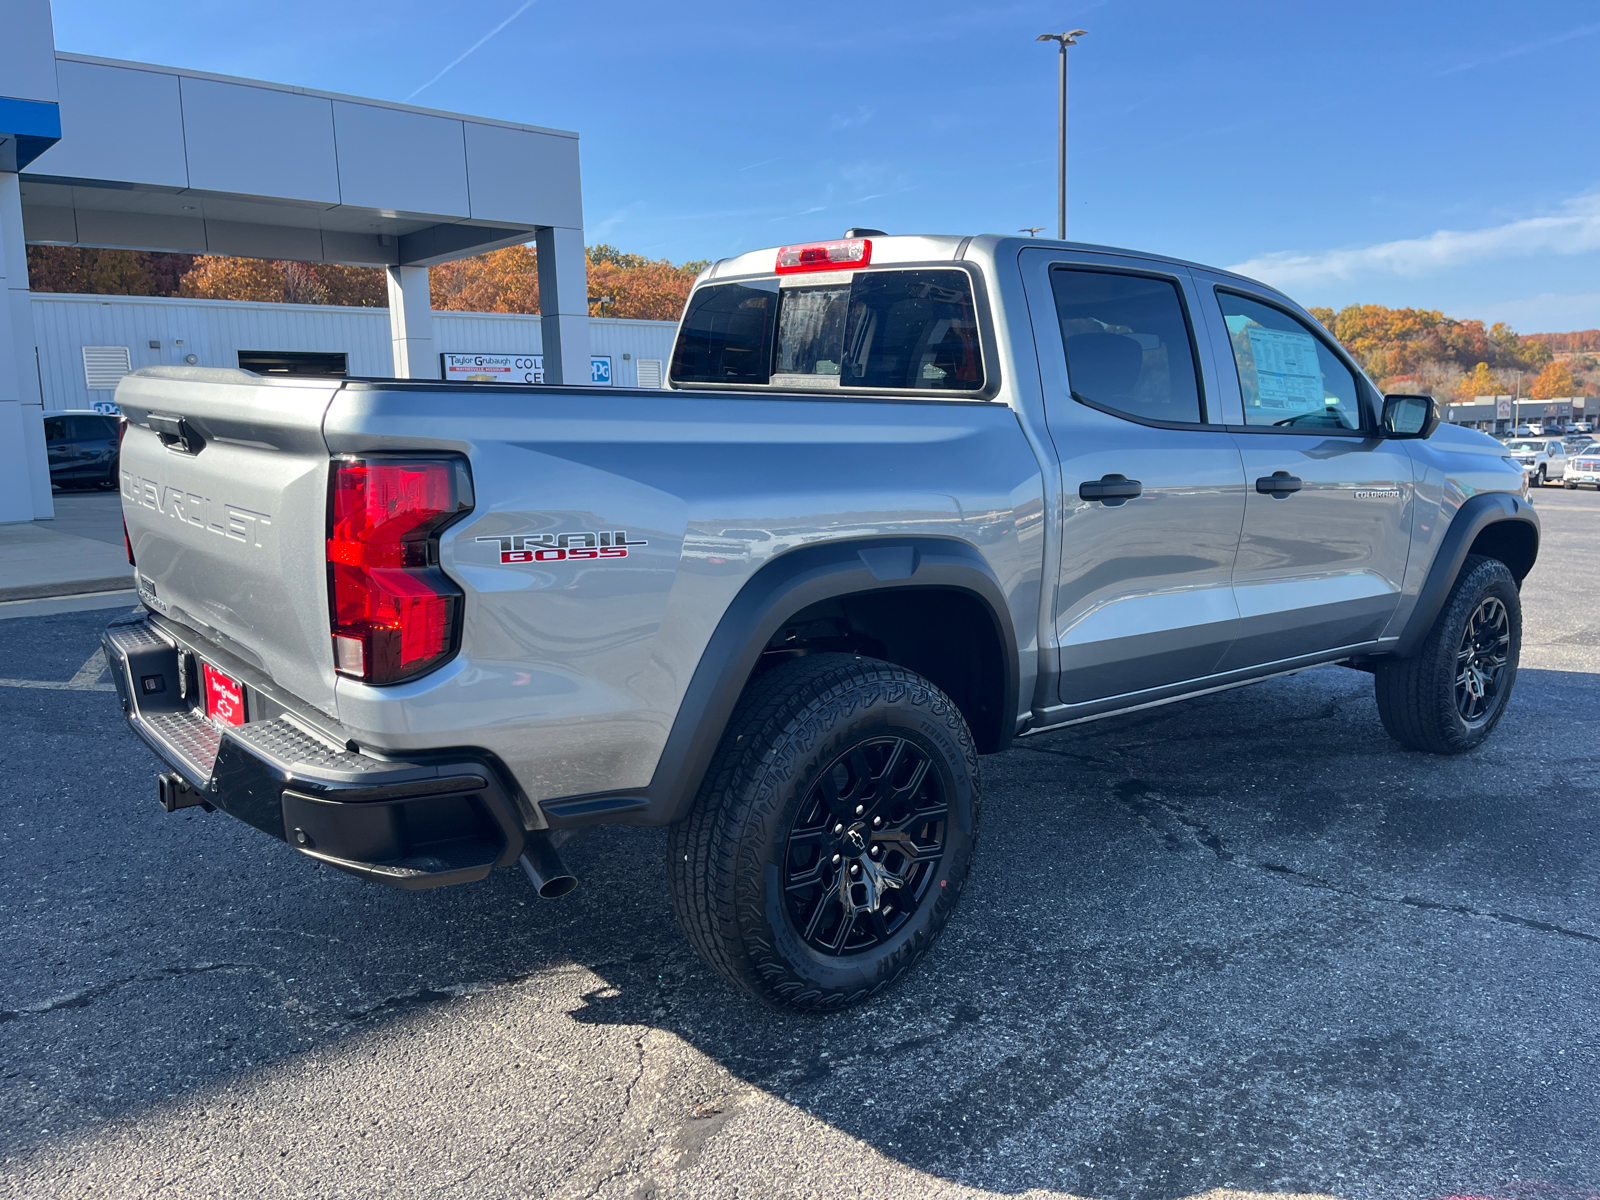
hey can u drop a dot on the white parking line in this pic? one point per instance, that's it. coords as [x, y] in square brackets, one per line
[84, 681]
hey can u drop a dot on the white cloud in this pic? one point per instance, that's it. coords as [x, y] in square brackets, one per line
[1573, 229]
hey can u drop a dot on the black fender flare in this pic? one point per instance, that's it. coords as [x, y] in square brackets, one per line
[779, 589]
[1471, 519]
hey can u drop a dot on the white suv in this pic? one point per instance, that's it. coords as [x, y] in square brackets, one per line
[1541, 459]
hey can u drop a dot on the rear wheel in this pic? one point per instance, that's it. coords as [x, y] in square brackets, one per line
[833, 832]
[1450, 696]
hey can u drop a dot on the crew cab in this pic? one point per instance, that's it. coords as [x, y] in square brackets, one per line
[1542, 458]
[907, 500]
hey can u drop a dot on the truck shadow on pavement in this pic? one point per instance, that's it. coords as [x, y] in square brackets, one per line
[1245, 941]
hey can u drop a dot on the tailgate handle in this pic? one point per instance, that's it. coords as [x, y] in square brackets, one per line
[176, 433]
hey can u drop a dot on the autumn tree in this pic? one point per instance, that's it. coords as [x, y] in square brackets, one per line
[636, 287]
[1482, 382]
[1555, 380]
[619, 284]
[83, 270]
[505, 281]
[216, 277]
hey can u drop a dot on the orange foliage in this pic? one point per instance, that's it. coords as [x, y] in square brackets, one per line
[1482, 382]
[1555, 380]
[215, 277]
[503, 281]
[619, 285]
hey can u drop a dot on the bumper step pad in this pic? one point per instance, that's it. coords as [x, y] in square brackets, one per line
[442, 818]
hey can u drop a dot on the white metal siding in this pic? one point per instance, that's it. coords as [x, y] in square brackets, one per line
[649, 372]
[214, 331]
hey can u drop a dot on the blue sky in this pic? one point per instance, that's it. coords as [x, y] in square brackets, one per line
[1431, 154]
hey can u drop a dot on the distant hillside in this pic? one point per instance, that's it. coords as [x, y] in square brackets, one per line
[1568, 343]
[1422, 350]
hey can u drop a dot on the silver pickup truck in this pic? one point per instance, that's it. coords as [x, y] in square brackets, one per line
[906, 499]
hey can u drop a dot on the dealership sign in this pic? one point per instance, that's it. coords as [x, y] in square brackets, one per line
[511, 368]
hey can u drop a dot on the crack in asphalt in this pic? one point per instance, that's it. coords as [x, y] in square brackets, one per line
[87, 996]
[1146, 804]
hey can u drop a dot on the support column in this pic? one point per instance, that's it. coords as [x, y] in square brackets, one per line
[563, 305]
[24, 468]
[411, 324]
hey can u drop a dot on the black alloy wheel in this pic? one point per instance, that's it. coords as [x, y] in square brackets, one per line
[833, 833]
[1449, 696]
[862, 851]
[1481, 660]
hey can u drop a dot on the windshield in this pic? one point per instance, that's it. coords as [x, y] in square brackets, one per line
[1525, 447]
[898, 330]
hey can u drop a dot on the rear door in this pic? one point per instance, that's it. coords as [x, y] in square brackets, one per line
[1152, 483]
[1328, 502]
[228, 524]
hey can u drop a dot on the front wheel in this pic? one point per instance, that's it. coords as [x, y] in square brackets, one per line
[1538, 478]
[1449, 697]
[833, 832]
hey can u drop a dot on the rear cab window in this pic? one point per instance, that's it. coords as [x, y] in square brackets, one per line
[891, 329]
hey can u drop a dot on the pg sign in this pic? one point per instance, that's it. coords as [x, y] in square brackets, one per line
[511, 368]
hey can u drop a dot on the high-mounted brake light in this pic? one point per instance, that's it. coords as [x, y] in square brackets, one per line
[395, 614]
[825, 256]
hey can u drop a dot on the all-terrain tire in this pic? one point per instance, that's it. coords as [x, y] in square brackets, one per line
[731, 863]
[1418, 696]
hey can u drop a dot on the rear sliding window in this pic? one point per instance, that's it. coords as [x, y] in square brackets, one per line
[913, 330]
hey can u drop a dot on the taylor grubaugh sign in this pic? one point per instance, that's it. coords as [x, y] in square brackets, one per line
[511, 368]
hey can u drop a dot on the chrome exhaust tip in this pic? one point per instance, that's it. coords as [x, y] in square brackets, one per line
[544, 868]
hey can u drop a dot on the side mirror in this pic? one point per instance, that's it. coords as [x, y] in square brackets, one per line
[1409, 416]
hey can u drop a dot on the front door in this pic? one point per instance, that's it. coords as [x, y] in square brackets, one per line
[1328, 502]
[1152, 485]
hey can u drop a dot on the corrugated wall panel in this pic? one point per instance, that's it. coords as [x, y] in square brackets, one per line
[216, 330]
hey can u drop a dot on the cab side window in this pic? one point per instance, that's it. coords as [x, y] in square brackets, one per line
[1127, 343]
[1287, 375]
[55, 429]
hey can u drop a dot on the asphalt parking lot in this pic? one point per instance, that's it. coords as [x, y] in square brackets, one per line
[1245, 942]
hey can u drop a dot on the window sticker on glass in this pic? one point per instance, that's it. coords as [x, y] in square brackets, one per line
[1287, 371]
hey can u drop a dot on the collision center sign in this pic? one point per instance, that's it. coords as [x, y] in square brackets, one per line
[511, 368]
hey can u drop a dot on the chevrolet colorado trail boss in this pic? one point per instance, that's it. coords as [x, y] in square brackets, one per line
[905, 499]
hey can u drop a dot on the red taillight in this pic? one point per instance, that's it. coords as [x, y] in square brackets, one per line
[825, 256]
[395, 614]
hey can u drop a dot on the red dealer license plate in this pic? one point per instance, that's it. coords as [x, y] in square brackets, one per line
[224, 696]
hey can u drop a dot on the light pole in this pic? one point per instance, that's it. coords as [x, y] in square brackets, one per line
[1065, 39]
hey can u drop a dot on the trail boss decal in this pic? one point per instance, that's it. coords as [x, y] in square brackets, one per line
[563, 547]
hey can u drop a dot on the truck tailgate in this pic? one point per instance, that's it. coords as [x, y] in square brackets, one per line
[227, 514]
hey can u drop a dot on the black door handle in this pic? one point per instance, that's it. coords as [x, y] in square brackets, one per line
[1280, 485]
[1111, 490]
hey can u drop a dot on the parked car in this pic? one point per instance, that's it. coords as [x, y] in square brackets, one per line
[1543, 459]
[81, 447]
[1583, 466]
[909, 499]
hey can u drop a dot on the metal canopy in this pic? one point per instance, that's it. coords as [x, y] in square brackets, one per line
[166, 159]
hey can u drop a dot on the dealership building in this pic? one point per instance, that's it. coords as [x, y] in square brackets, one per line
[104, 153]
